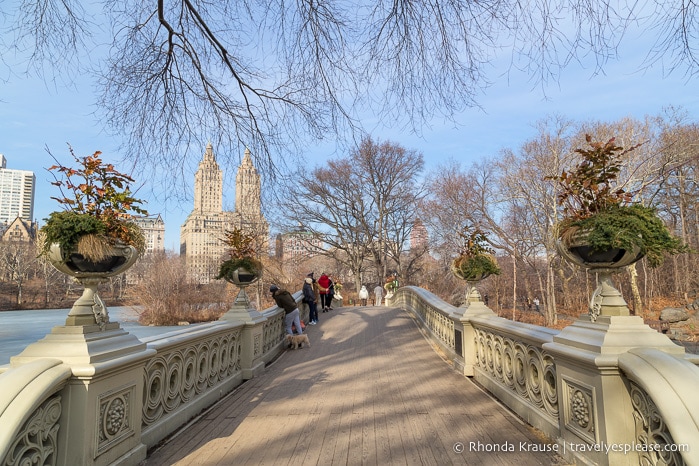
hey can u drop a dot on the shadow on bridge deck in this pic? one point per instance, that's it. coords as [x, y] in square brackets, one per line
[369, 390]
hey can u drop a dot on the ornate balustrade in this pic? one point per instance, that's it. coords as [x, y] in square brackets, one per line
[510, 362]
[105, 397]
[609, 392]
[434, 314]
[30, 408]
[190, 370]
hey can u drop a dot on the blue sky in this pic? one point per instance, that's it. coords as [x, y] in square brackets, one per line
[35, 116]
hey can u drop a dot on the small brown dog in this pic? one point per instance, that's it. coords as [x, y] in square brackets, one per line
[298, 340]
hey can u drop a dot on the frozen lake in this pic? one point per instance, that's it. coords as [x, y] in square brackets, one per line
[20, 328]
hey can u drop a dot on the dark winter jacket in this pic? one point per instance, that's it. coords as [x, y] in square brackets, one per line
[309, 295]
[284, 300]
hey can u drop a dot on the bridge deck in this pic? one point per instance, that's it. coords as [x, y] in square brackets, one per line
[369, 390]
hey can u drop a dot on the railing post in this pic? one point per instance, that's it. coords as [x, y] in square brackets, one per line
[596, 419]
[252, 339]
[101, 414]
[475, 307]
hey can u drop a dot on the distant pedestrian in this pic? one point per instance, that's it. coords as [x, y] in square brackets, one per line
[536, 304]
[363, 295]
[309, 297]
[378, 294]
[287, 302]
[331, 292]
[324, 291]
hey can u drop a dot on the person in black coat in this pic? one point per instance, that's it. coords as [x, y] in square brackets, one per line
[309, 297]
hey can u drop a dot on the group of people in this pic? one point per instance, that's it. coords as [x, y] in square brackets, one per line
[322, 290]
[363, 295]
[316, 293]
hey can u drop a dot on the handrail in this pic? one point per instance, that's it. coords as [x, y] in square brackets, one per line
[24, 389]
[671, 384]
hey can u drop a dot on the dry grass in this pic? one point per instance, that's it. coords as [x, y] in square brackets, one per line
[535, 318]
[183, 313]
[93, 248]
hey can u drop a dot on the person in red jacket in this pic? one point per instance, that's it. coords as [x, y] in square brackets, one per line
[324, 290]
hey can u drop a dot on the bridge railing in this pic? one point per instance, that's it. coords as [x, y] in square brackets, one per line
[30, 408]
[609, 392]
[88, 396]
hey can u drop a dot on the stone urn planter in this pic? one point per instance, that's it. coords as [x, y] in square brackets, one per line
[576, 249]
[241, 277]
[242, 272]
[606, 299]
[603, 230]
[472, 269]
[89, 309]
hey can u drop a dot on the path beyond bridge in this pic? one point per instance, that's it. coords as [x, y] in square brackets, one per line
[370, 390]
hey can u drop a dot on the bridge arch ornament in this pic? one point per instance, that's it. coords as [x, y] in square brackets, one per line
[651, 429]
[37, 441]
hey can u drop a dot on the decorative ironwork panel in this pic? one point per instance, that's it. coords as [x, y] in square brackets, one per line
[37, 441]
[273, 332]
[257, 345]
[439, 324]
[579, 415]
[177, 376]
[524, 369]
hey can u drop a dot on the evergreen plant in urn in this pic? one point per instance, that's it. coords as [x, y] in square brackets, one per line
[241, 266]
[602, 228]
[94, 237]
[474, 262]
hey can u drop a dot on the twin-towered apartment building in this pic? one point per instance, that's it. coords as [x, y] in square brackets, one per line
[201, 233]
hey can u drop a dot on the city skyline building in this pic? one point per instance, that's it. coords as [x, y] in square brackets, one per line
[299, 243]
[17, 189]
[153, 228]
[418, 235]
[201, 235]
[20, 230]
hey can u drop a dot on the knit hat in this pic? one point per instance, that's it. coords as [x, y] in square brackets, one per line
[310, 275]
[273, 288]
[309, 280]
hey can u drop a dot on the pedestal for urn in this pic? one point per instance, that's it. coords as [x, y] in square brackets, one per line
[591, 390]
[252, 338]
[107, 365]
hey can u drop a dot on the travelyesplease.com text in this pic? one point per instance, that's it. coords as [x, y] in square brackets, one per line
[603, 447]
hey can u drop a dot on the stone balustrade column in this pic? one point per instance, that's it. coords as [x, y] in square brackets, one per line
[595, 410]
[474, 306]
[251, 339]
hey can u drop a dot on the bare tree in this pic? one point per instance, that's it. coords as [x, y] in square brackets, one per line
[389, 173]
[18, 261]
[529, 204]
[266, 74]
[167, 297]
[362, 206]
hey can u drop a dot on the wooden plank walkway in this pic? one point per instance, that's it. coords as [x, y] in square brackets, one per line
[369, 391]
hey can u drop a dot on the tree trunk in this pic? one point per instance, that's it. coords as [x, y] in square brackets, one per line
[514, 286]
[551, 314]
[19, 293]
[637, 301]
